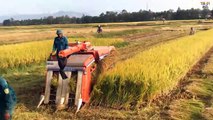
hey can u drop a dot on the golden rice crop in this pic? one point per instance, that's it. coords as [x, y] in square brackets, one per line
[151, 73]
[34, 52]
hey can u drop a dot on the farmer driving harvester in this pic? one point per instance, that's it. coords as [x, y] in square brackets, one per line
[77, 62]
[7, 100]
[60, 43]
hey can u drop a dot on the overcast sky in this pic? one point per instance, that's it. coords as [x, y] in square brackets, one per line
[92, 7]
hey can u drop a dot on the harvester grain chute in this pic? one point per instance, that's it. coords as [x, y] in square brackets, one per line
[82, 59]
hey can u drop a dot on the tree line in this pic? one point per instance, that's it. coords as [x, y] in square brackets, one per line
[123, 16]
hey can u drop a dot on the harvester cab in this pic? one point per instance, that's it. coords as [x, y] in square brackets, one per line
[82, 59]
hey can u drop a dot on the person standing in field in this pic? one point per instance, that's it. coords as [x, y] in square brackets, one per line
[99, 29]
[163, 19]
[60, 43]
[192, 31]
[7, 100]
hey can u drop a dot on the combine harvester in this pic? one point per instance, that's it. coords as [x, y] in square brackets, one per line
[82, 60]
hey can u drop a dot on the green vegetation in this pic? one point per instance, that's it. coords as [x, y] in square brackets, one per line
[187, 110]
[111, 16]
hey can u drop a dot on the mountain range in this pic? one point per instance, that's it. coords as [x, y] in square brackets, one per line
[38, 16]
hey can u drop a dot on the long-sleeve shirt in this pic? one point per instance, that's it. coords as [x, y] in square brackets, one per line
[60, 44]
[7, 96]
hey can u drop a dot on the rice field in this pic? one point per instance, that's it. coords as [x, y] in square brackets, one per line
[152, 60]
[151, 73]
[23, 54]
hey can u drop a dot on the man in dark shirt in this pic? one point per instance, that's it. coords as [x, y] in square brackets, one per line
[60, 43]
[99, 30]
[7, 100]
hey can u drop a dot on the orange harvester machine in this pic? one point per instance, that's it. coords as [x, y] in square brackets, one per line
[81, 62]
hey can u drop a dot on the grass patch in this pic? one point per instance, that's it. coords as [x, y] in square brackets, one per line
[187, 110]
[194, 109]
[202, 88]
[121, 44]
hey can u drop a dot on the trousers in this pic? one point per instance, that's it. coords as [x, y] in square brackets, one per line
[62, 62]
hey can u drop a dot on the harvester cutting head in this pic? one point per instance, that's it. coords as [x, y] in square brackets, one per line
[82, 58]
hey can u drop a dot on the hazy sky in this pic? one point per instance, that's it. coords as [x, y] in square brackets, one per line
[93, 7]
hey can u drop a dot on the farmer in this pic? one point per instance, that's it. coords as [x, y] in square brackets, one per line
[60, 43]
[7, 100]
[99, 29]
[192, 31]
